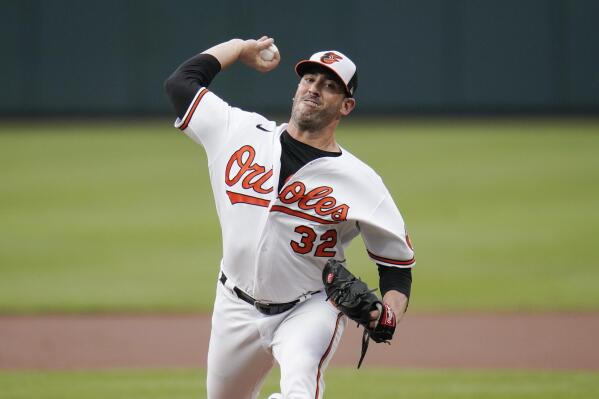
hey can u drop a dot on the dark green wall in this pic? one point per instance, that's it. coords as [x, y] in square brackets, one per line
[67, 56]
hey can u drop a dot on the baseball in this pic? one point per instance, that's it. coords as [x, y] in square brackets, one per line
[269, 53]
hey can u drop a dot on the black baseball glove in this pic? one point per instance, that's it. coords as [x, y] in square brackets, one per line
[353, 298]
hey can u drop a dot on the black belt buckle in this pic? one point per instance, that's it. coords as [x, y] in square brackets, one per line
[266, 308]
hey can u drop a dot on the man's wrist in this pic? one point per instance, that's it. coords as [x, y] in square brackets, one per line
[397, 301]
[227, 53]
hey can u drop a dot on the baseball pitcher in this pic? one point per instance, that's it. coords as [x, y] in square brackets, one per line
[289, 199]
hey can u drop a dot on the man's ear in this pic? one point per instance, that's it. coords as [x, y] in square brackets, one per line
[348, 105]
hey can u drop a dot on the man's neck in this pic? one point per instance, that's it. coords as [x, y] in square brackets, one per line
[323, 139]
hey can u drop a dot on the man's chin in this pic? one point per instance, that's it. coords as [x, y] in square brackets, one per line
[308, 118]
[310, 125]
[303, 116]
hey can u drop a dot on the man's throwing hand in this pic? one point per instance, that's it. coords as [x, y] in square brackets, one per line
[250, 54]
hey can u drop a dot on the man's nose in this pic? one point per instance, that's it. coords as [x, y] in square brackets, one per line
[314, 88]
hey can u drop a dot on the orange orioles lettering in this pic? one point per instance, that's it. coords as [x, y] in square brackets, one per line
[241, 165]
[317, 199]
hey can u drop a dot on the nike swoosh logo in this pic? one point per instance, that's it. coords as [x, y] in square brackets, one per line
[259, 126]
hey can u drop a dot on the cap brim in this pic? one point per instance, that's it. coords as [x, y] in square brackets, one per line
[302, 65]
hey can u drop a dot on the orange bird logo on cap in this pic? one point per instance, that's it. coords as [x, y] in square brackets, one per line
[330, 57]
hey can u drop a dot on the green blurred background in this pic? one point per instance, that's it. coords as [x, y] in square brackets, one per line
[119, 216]
[482, 117]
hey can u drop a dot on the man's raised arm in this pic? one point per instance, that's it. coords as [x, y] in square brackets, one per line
[199, 70]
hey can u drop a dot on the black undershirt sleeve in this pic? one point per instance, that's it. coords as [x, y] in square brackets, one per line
[395, 278]
[183, 84]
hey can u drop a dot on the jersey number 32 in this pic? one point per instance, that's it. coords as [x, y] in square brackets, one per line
[326, 241]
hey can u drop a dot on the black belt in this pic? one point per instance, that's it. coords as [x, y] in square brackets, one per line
[266, 308]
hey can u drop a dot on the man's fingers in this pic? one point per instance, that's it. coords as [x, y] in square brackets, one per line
[262, 44]
[250, 54]
[277, 57]
[374, 317]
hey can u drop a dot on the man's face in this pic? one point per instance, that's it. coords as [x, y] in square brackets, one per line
[319, 99]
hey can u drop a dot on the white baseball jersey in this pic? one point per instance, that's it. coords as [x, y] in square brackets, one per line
[276, 241]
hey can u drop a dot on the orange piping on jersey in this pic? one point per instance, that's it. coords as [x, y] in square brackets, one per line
[392, 261]
[326, 353]
[193, 109]
[237, 198]
[302, 215]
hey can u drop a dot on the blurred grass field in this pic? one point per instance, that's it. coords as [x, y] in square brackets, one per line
[341, 383]
[119, 217]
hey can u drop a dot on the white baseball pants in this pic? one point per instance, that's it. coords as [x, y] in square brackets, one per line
[244, 345]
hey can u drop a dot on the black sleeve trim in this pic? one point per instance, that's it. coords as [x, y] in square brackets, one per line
[182, 86]
[395, 278]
